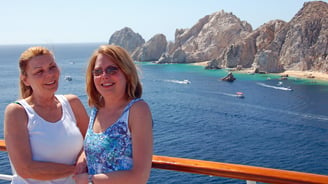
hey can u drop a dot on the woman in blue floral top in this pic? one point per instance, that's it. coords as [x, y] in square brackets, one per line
[119, 142]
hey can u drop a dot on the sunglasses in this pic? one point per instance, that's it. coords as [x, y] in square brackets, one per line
[110, 70]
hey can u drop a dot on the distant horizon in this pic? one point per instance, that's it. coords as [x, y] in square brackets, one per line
[56, 43]
[59, 22]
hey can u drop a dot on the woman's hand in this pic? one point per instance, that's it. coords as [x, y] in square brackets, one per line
[81, 178]
[81, 165]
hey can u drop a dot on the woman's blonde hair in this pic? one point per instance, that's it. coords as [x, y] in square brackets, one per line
[26, 56]
[124, 61]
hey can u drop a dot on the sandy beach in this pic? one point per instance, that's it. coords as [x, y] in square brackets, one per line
[290, 73]
[306, 74]
[203, 63]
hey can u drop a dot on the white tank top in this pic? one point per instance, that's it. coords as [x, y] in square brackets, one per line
[58, 142]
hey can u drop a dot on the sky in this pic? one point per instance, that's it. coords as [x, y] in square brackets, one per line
[91, 21]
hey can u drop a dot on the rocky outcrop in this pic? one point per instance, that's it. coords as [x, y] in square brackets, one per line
[152, 50]
[127, 39]
[207, 39]
[253, 50]
[266, 58]
[213, 64]
[227, 42]
[305, 44]
[300, 44]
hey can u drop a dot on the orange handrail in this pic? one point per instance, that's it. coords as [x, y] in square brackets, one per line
[2, 145]
[236, 171]
[228, 170]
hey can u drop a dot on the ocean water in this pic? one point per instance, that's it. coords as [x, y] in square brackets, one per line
[271, 127]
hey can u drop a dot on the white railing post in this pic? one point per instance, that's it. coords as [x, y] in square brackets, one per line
[250, 182]
[6, 177]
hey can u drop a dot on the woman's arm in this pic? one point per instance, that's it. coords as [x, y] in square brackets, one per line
[19, 149]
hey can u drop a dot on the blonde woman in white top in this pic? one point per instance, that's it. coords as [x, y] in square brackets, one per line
[43, 132]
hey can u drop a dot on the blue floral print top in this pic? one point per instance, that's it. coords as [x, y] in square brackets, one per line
[110, 150]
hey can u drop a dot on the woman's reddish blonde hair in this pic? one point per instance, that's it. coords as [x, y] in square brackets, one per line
[26, 56]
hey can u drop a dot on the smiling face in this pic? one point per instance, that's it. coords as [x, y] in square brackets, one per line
[42, 74]
[112, 82]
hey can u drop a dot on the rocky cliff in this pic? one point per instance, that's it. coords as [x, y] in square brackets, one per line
[226, 41]
[127, 39]
[256, 50]
[207, 39]
[304, 40]
[152, 50]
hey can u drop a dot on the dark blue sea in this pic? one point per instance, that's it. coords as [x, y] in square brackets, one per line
[270, 127]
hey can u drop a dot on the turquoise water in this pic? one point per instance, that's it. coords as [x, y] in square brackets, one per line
[270, 127]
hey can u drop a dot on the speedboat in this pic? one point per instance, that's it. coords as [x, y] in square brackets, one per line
[240, 94]
[68, 78]
[186, 81]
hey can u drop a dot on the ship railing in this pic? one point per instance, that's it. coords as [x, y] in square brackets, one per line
[251, 174]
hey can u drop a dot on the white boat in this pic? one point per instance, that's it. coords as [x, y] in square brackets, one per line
[180, 81]
[68, 78]
[186, 81]
[275, 87]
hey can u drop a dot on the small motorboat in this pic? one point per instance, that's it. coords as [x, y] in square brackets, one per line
[68, 78]
[240, 94]
[186, 81]
[180, 81]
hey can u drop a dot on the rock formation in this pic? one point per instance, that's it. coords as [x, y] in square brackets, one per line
[152, 50]
[305, 46]
[227, 42]
[127, 39]
[207, 39]
[253, 50]
[300, 44]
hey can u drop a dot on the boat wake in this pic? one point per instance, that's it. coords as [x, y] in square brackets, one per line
[238, 94]
[266, 109]
[275, 87]
[285, 112]
[179, 81]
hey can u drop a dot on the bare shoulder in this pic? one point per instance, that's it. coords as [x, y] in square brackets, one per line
[140, 110]
[73, 100]
[14, 109]
[71, 97]
[140, 106]
[15, 113]
[140, 113]
[75, 103]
